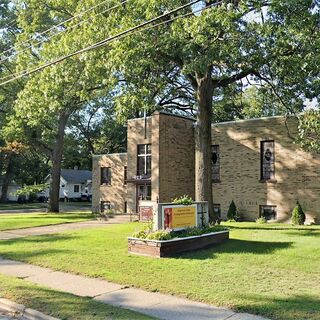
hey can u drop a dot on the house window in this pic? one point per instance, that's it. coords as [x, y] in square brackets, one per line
[215, 163]
[268, 212]
[106, 175]
[267, 160]
[105, 205]
[76, 188]
[125, 175]
[144, 160]
[217, 210]
[144, 192]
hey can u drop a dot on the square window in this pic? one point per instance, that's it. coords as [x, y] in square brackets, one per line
[106, 176]
[268, 212]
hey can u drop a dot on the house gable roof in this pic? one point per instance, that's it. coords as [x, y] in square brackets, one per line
[76, 176]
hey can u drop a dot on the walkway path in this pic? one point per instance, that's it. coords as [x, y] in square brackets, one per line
[58, 228]
[154, 304]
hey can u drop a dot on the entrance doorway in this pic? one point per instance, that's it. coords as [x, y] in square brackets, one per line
[143, 193]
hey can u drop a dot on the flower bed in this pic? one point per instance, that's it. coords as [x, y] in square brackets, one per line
[166, 248]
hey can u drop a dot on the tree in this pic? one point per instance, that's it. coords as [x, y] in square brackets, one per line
[298, 216]
[189, 63]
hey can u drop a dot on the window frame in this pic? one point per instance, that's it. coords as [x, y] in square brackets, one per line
[108, 176]
[262, 148]
[218, 179]
[74, 188]
[145, 155]
[264, 206]
[125, 175]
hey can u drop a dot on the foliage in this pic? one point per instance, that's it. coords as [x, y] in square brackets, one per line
[298, 216]
[309, 130]
[185, 200]
[261, 220]
[232, 213]
[31, 190]
[169, 235]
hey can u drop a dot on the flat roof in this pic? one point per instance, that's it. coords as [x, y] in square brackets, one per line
[109, 154]
[251, 119]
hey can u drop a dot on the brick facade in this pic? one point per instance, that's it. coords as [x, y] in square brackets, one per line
[173, 166]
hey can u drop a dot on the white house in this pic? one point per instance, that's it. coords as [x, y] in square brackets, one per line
[12, 189]
[74, 184]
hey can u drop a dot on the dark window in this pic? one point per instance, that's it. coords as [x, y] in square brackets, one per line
[144, 192]
[144, 160]
[125, 175]
[217, 210]
[125, 207]
[105, 205]
[106, 175]
[268, 212]
[76, 188]
[215, 163]
[267, 160]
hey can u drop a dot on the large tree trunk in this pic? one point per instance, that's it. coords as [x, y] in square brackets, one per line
[203, 170]
[7, 179]
[54, 190]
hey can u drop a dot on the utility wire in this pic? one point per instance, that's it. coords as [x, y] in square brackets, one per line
[139, 28]
[57, 26]
[62, 31]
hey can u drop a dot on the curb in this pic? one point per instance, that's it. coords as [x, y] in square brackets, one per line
[24, 312]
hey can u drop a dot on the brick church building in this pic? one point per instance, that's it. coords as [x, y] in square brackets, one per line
[255, 163]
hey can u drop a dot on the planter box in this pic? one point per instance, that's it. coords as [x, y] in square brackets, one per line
[167, 248]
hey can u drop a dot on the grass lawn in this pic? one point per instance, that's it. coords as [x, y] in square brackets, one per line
[18, 221]
[61, 305]
[18, 206]
[271, 270]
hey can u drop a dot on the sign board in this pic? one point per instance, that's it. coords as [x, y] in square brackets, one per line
[146, 213]
[178, 217]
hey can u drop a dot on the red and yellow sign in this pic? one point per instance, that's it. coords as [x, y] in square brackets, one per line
[180, 217]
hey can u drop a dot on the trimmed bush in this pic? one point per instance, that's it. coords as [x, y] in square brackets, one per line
[232, 212]
[261, 220]
[298, 216]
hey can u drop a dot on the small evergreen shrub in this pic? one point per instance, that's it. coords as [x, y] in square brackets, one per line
[261, 220]
[185, 200]
[298, 216]
[233, 214]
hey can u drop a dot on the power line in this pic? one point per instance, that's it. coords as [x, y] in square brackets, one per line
[57, 25]
[64, 30]
[118, 36]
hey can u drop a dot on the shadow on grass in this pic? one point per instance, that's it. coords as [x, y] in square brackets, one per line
[235, 246]
[304, 233]
[38, 239]
[62, 305]
[294, 307]
[274, 228]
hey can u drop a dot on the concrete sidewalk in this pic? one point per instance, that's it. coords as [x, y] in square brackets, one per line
[153, 304]
[58, 228]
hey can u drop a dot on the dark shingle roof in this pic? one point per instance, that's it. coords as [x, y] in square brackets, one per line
[76, 176]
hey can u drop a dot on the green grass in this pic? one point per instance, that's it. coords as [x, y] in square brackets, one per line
[18, 206]
[18, 221]
[59, 304]
[271, 270]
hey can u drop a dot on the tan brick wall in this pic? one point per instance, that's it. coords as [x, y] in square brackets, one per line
[116, 193]
[175, 156]
[296, 171]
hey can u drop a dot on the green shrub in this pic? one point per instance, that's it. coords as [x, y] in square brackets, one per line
[159, 235]
[232, 212]
[298, 216]
[261, 220]
[185, 200]
[168, 235]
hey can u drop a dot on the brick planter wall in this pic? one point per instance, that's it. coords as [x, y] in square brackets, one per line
[166, 248]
